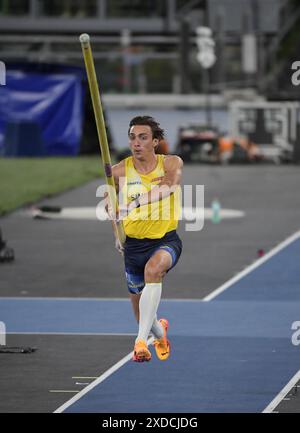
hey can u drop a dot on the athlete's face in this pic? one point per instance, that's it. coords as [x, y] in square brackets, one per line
[141, 142]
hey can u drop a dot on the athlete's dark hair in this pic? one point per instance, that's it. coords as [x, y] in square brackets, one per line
[157, 131]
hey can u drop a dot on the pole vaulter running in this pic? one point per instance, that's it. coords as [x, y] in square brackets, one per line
[150, 197]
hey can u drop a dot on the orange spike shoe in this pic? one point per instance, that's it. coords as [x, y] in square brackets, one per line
[162, 345]
[141, 353]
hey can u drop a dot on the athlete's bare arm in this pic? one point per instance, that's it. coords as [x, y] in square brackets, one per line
[118, 172]
[173, 172]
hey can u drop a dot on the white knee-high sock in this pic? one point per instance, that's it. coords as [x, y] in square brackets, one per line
[148, 305]
[157, 328]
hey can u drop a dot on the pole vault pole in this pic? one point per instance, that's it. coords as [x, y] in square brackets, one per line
[99, 118]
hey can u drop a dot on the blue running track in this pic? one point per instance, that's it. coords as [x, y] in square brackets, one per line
[232, 354]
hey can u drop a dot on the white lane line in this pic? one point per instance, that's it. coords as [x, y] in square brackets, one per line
[93, 213]
[123, 361]
[74, 333]
[127, 300]
[84, 377]
[281, 395]
[238, 277]
[96, 382]
[255, 265]
[49, 298]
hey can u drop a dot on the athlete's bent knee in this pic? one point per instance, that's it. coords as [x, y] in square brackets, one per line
[154, 273]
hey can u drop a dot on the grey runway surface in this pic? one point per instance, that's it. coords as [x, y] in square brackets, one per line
[62, 366]
[67, 258]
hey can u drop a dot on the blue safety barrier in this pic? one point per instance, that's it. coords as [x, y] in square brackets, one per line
[41, 113]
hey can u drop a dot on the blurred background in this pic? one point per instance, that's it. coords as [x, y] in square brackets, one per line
[207, 69]
[221, 76]
[223, 79]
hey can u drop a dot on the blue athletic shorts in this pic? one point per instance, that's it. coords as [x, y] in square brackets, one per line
[137, 252]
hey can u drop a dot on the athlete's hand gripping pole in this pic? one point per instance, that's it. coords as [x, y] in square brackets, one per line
[98, 112]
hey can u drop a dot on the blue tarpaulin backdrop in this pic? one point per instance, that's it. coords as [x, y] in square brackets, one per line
[54, 101]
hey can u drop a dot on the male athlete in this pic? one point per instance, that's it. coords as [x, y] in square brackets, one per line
[149, 188]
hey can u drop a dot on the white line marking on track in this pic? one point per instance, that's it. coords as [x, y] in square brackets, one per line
[49, 298]
[84, 377]
[96, 382]
[281, 395]
[213, 295]
[93, 214]
[255, 265]
[75, 333]
[92, 299]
